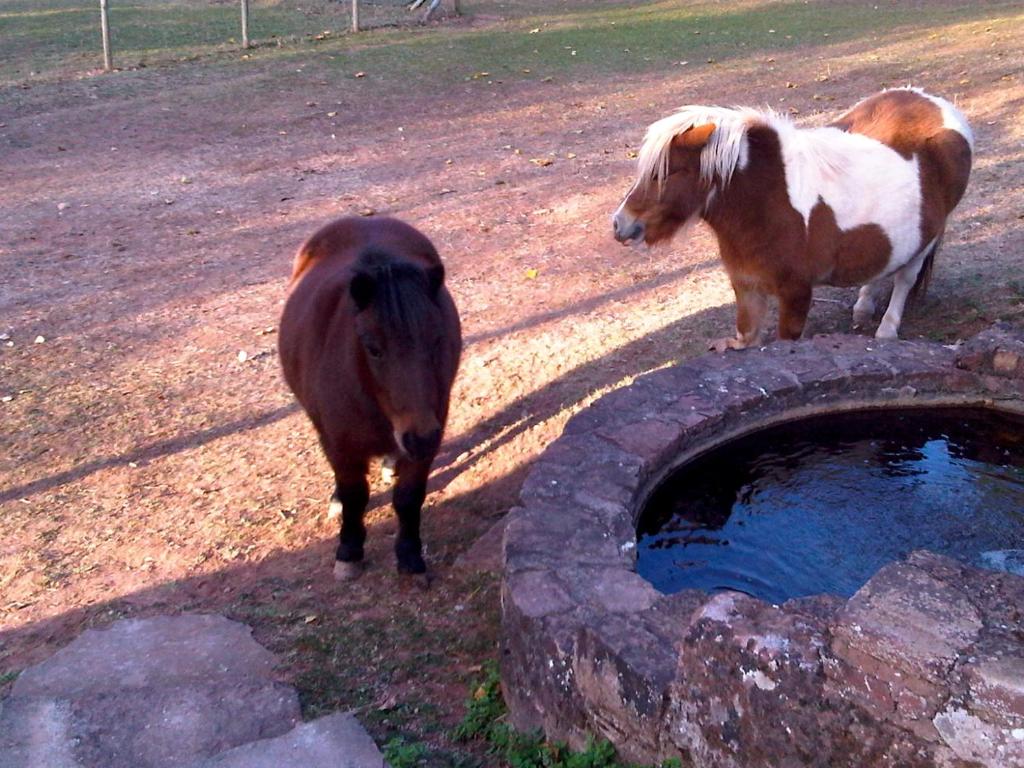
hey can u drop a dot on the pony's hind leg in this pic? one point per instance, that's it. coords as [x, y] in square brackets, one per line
[903, 282]
[902, 285]
[351, 493]
[409, 494]
[867, 303]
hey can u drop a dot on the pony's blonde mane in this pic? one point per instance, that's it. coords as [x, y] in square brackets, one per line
[725, 151]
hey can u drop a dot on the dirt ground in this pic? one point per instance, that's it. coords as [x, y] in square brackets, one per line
[147, 222]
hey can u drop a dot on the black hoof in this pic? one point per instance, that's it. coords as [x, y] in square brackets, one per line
[349, 553]
[412, 565]
[410, 559]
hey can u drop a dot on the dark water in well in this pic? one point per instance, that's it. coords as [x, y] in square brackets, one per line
[818, 505]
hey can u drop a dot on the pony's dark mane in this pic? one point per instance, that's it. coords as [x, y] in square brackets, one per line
[401, 296]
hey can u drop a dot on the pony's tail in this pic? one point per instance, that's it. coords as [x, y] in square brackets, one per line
[924, 275]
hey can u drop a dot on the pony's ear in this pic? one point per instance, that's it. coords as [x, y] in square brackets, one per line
[696, 137]
[435, 278]
[362, 288]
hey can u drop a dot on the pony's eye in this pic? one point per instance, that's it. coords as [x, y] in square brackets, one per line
[374, 351]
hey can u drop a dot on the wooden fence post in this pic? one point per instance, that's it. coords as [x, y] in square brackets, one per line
[108, 62]
[355, 15]
[245, 23]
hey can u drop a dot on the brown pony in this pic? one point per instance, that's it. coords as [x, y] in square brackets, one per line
[370, 343]
[852, 203]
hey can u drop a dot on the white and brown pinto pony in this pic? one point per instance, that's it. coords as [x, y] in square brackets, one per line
[862, 199]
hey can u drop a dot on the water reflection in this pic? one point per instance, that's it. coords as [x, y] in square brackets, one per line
[820, 504]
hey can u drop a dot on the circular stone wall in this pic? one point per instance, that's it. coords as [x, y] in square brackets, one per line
[923, 666]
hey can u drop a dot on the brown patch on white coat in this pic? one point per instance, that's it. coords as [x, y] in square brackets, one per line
[848, 204]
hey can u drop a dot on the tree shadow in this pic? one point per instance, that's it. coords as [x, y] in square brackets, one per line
[449, 526]
[183, 442]
[588, 305]
[148, 452]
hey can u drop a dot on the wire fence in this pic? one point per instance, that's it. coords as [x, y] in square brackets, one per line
[40, 36]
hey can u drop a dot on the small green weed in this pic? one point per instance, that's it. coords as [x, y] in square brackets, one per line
[485, 710]
[400, 753]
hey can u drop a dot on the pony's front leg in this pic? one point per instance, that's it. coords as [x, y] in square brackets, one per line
[794, 304]
[410, 491]
[351, 493]
[751, 308]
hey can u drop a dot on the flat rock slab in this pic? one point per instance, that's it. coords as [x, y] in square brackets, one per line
[337, 740]
[146, 653]
[146, 693]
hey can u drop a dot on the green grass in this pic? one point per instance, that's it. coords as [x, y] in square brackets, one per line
[644, 37]
[53, 36]
[394, 647]
[623, 40]
[620, 41]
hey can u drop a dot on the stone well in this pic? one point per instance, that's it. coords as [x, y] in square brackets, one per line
[924, 666]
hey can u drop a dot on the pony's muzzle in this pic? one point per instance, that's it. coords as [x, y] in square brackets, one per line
[626, 228]
[421, 447]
